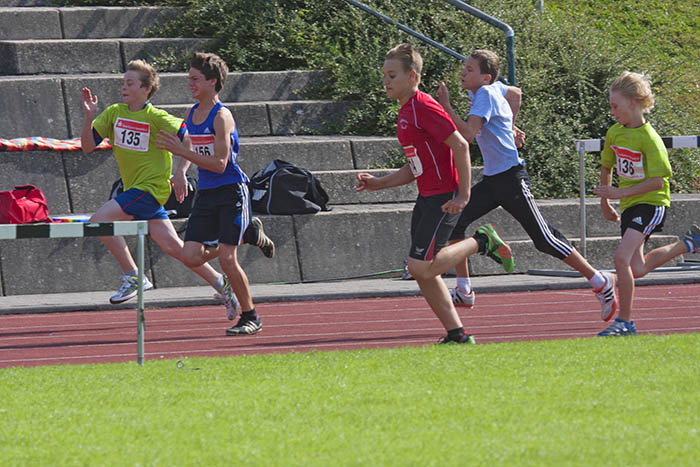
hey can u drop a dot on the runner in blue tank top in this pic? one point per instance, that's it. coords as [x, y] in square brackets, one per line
[221, 212]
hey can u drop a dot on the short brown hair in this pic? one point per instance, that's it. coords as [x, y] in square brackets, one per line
[489, 63]
[212, 67]
[635, 86]
[148, 75]
[409, 57]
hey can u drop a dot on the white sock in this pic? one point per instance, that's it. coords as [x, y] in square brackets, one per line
[133, 272]
[597, 281]
[464, 284]
[219, 284]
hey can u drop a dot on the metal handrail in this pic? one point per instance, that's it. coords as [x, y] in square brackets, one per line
[406, 29]
[510, 35]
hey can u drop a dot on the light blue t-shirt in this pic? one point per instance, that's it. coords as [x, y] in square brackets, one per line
[495, 139]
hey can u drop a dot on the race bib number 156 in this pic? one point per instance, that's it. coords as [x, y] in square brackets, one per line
[203, 144]
[130, 134]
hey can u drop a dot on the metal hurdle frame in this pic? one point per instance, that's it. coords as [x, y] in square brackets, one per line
[103, 229]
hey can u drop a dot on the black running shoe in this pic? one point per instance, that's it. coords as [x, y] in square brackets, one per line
[255, 235]
[245, 327]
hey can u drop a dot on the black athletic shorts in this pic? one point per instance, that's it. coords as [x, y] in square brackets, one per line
[644, 218]
[220, 214]
[430, 227]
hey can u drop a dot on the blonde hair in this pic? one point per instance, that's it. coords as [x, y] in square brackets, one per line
[408, 56]
[147, 73]
[212, 67]
[489, 63]
[635, 86]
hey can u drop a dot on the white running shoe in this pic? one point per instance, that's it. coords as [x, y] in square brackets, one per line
[129, 289]
[228, 299]
[461, 299]
[607, 296]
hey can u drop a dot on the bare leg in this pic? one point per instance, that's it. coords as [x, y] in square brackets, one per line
[629, 250]
[164, 234]
[578, 262]
[111, 212]
[433, 288]
[237, 277]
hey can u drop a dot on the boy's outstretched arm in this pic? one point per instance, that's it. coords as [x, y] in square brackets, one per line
[89, 103]
[369, 182]
[467, 129]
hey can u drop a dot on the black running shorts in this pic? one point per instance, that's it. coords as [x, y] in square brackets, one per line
[221, 213]
[430, 227]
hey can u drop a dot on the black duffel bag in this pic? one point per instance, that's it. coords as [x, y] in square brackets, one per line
[284, 188]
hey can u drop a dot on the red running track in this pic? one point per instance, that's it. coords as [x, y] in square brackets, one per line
[174, 333]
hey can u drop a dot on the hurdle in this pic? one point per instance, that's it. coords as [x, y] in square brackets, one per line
[102, 229]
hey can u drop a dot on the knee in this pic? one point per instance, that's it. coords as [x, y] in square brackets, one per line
[191, 259]
[621, 261]
[420, 270]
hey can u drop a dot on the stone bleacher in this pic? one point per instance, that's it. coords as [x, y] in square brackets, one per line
[44, 67]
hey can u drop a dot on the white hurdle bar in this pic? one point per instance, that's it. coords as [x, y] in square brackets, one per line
[80, 229]
[596, 145]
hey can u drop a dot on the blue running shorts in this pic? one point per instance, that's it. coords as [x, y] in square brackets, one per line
[140, 204]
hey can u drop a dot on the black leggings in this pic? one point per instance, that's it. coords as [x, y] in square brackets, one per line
[511, 190]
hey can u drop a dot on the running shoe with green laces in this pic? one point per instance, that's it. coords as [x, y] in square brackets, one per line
[466, 339]
[497, 249]
[692, 239]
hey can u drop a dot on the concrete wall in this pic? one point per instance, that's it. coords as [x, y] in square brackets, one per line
[351, 239]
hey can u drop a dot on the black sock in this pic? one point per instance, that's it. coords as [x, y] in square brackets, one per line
[455, 334]
[250, 315]
[481, 240]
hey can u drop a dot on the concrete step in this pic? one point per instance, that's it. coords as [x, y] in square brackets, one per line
[335, 244]
[25, 3]
[29, 57]
[79, 22]
[61, 116]
[281, 118]
[77, 183]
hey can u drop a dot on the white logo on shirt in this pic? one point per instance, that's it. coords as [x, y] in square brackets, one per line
[403, 123]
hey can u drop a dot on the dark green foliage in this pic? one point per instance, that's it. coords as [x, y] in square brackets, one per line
[565, 62]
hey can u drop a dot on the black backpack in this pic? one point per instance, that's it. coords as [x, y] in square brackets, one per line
[284, 188]
[174, 209]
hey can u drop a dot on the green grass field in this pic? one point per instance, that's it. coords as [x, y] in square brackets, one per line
[627, 401]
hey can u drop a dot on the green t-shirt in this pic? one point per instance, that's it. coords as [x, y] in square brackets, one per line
[141, 164]
[637, 155]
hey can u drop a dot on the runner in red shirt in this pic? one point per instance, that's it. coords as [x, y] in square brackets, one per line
[438, 159]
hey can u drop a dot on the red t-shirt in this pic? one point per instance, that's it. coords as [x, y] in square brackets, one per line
[423, 126]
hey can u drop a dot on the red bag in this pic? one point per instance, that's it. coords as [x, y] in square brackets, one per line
[23, 205]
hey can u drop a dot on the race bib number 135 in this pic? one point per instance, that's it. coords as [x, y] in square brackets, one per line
[130, 134]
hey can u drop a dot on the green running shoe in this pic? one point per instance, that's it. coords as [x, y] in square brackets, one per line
[496, 248]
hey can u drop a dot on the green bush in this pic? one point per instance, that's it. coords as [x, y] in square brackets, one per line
[566, 59]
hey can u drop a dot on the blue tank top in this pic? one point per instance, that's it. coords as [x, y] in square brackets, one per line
[203, 142]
